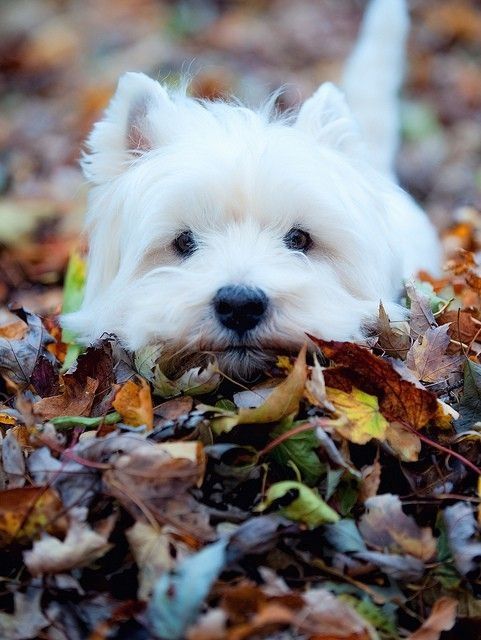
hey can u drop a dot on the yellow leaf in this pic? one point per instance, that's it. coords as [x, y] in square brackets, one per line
[282, 402]
[364, 420]
[134, 403]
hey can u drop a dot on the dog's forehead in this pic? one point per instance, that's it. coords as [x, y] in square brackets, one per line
[273, 177]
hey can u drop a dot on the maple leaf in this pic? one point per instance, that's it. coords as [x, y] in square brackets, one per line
[362, 411]
[421, 317]
[76, 399]
[427, 356]
[398, 398]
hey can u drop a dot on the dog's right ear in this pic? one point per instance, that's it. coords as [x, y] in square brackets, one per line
[131, 126]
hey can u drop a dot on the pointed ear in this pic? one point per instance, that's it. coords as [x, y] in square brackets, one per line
[131, 125]
[327, 118]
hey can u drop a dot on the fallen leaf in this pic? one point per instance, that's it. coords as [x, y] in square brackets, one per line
[299, 503]
[76, 399]
[403, 442]
[392, 338]
[27, 619]
[370, 481]
[134, 403]
[461, 325]
[386, 526]
[399, 399]
[326, 617]
[362, 411]
[152, 550]
[19, 356]
[13, 460]
[27, 512]
[406, 567]
[282, 402]
[82, 545]
[442, 618]
[428, 359]
[178, 596]
[300, 449]
[470, 405]
[461, 528]
[421, 317]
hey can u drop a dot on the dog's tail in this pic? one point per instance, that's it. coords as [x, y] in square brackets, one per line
[373, 76]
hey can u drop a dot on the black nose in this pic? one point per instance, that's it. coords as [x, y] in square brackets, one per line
[240, 308]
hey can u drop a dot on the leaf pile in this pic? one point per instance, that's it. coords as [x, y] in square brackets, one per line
[339, 498]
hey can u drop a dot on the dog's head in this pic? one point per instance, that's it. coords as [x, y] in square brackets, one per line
[217, 229]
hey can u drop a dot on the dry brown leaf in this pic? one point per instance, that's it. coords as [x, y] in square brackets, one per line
[134, 403]
[399, 399]
[462, 327]
[442, 618]
[152, 550]
[81, 546]
[370, 481]
[404, 442]
[427, 357]
[75, 400]
[393, 339]
[386, 526]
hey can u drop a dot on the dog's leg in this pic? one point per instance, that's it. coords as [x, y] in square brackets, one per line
[373, 76]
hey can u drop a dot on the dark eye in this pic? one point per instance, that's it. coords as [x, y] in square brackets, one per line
[297, 240]
[185, 244]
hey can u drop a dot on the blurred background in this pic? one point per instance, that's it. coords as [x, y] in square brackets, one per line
[60, 61]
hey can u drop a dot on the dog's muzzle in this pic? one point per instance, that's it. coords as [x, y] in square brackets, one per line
[240, 308]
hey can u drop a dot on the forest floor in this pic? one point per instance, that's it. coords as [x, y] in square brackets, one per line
[340, 501]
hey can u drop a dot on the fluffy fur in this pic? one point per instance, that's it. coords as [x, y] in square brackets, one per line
[161, 163]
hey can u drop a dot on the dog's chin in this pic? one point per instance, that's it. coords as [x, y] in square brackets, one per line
[244, 363]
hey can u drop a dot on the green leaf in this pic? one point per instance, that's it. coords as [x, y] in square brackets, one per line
[470, 405]
[299, 503]
[299, 449]
[73, 293]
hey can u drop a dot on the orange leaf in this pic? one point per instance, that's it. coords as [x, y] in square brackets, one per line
[26, 512]
[134, 403]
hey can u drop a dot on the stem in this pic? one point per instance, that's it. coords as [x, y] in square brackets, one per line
[449, 452]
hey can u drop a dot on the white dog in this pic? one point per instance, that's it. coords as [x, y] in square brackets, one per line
[217, 229]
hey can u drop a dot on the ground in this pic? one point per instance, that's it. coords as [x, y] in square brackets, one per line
[340, 498]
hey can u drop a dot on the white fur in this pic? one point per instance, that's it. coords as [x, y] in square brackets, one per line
[240, 180]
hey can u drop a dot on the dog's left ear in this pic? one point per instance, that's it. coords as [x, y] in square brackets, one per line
[135, 121]
[327, 118]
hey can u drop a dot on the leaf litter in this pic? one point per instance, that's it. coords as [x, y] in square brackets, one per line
[339, 500]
